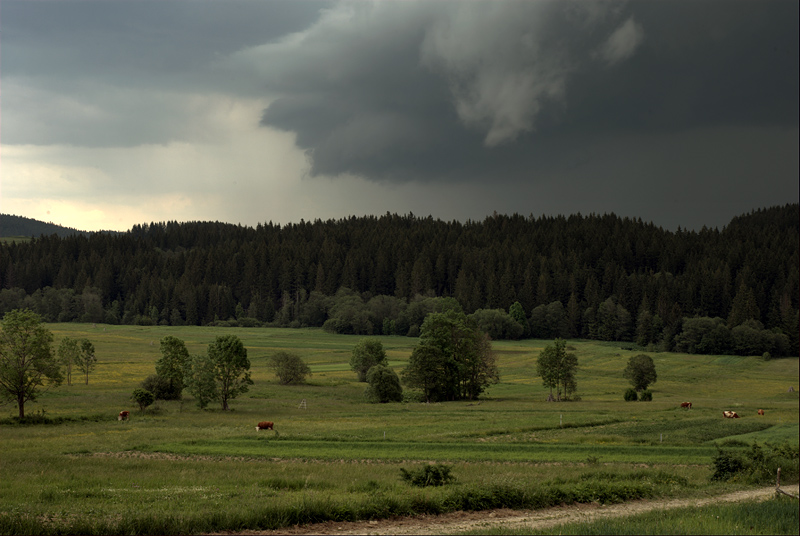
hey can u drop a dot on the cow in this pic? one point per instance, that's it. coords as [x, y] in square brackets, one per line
[686, 405]
[761, 412]
[123, 415]
[265, 425]
[730, 415]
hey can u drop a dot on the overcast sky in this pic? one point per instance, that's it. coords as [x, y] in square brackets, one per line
[118, 112]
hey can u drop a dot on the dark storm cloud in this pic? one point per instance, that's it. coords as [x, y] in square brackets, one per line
[514, 90]
[136, 38]
[98, 73]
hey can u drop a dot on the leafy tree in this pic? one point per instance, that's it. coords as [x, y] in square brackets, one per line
[27, 362]
[160, 386]
[171, 365]
[453, 360]
[143, 397]
[68, 353]
[557, 369]
[640, 371]
[289, 368]
[366, 354]
[86, 358]
[198, 377]
[497, 324]
[231, 367]
[384, 385]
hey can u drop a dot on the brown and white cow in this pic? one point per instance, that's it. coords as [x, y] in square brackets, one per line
[686, 405]
[123, 415]
[265, 425]
[730, 415]
[761, 412]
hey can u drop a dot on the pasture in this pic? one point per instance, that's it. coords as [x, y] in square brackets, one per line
[177, 469]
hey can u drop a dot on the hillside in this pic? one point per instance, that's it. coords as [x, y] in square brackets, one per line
[19, 226]
[595, 277]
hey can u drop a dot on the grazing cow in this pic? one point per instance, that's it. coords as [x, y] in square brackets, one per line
[730, 415]
[761, 412]
[123, 415]
[265, 425]
[686, 405]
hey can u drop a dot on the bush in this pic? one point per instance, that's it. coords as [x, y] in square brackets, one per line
[430, 475]
[384, 385]
[289, 368]
[759, 466]
[631, 395]
[162, 388]
[646, 396]
[143, 397]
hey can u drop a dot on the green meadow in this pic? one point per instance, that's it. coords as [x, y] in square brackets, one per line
[177, 469]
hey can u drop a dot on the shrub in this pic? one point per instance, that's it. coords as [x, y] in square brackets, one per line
[143, 397]
[430, 475]
[289, 368]
[646, 396]
[162, 388]
[759, 465]
[631, 395]
[384, 385]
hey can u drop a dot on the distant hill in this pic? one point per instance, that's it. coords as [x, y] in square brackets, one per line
[19, 226]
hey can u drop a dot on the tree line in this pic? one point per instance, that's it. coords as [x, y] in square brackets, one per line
[598, 277]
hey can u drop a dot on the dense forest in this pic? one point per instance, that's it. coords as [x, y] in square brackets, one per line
[603, 277]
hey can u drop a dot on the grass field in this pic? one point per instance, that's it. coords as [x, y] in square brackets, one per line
[178, 469]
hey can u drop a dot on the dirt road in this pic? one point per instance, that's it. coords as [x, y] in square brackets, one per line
[462, 521]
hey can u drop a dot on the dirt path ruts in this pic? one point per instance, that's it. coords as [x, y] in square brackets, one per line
[539, 519]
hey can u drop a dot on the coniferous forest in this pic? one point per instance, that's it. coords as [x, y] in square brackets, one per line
[729, 291]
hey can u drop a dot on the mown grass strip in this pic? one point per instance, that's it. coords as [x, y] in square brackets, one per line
[457, 451]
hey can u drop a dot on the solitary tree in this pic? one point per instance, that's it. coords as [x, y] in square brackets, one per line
[231, 367]
[68, 352]
[384, 385]
[640, 371]
[86, 358]
[289, 368]
[366, 354]
[557, 369]
[27, 362]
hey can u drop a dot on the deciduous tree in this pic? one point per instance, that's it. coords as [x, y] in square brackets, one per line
[557, 369]
[453, 360]
[27, 363]
[231, 367]
[640, 371]
[384, 385]
[86, 359]
[366, 354]
[289, 368]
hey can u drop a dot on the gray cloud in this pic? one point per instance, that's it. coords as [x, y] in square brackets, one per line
[486, 90]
